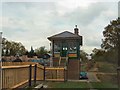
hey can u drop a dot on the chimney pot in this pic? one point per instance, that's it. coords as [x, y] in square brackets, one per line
[76, 30]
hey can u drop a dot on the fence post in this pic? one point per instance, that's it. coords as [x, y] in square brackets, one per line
[0, 60]
[64, 75]
[44, 74]
[118, 75]
[35, 74]
[57, 74]
[1, 78]
[30, 74]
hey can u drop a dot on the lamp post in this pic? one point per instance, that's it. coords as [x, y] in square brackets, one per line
[0, 60]
[118, 43]
[118, 51]
[0, 46]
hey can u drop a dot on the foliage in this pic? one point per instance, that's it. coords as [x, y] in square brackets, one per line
[98, 54]
[83, 56]
[102, 55]
[111, 34]
[31, 53]
[41, 51]
[12, 48]
[109, 43]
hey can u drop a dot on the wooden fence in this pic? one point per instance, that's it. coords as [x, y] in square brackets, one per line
[14, 74]
[55, 74]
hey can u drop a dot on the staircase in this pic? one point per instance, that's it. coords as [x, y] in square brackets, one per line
[60, 61]
[63, 61]
[56, 61]
[73, 69]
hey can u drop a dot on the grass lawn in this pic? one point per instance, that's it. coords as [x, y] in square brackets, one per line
[67, 85]
[103, 85]
[80, 85]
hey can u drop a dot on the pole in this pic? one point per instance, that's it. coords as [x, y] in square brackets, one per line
[35, 74]
[118, 52]
[0, 60]
[118, 75]
[64, 74]
[44, 78]
[52, 52]
[0, 45]
[118, 48]
[118, 62]
[118, 71]
[30, 75]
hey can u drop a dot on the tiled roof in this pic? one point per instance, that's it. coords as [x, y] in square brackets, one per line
[65, 34]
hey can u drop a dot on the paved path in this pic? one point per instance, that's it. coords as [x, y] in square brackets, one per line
[92, 77]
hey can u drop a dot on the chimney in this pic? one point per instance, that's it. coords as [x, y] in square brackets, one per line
[76, 30]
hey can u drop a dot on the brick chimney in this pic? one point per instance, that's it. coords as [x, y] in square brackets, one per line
[76, 30]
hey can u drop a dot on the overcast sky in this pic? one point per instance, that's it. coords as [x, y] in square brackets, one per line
[32, 22]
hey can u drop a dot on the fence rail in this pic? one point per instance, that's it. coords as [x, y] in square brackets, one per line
[15, 74]
[17, 63]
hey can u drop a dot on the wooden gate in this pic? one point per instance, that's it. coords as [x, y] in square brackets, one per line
[55, 74]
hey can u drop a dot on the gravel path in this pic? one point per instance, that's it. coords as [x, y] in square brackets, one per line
[92, 77]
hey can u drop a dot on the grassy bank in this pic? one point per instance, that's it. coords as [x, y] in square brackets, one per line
[103, 85]
[67, 85]
[80, 85]
[107, 67]
[112, 79]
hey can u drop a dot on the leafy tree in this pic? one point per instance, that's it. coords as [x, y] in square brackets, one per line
[98, 54]
[12, 48]
[31, 53]
[110, 42]
[111, 34]
[83, 56]
[41, 51]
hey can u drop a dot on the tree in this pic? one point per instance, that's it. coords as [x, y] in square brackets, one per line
[110, 34]
[31, 53]
[98, 54]
[41, 51]
[83, 56]
[12, 48]
[110, 41]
